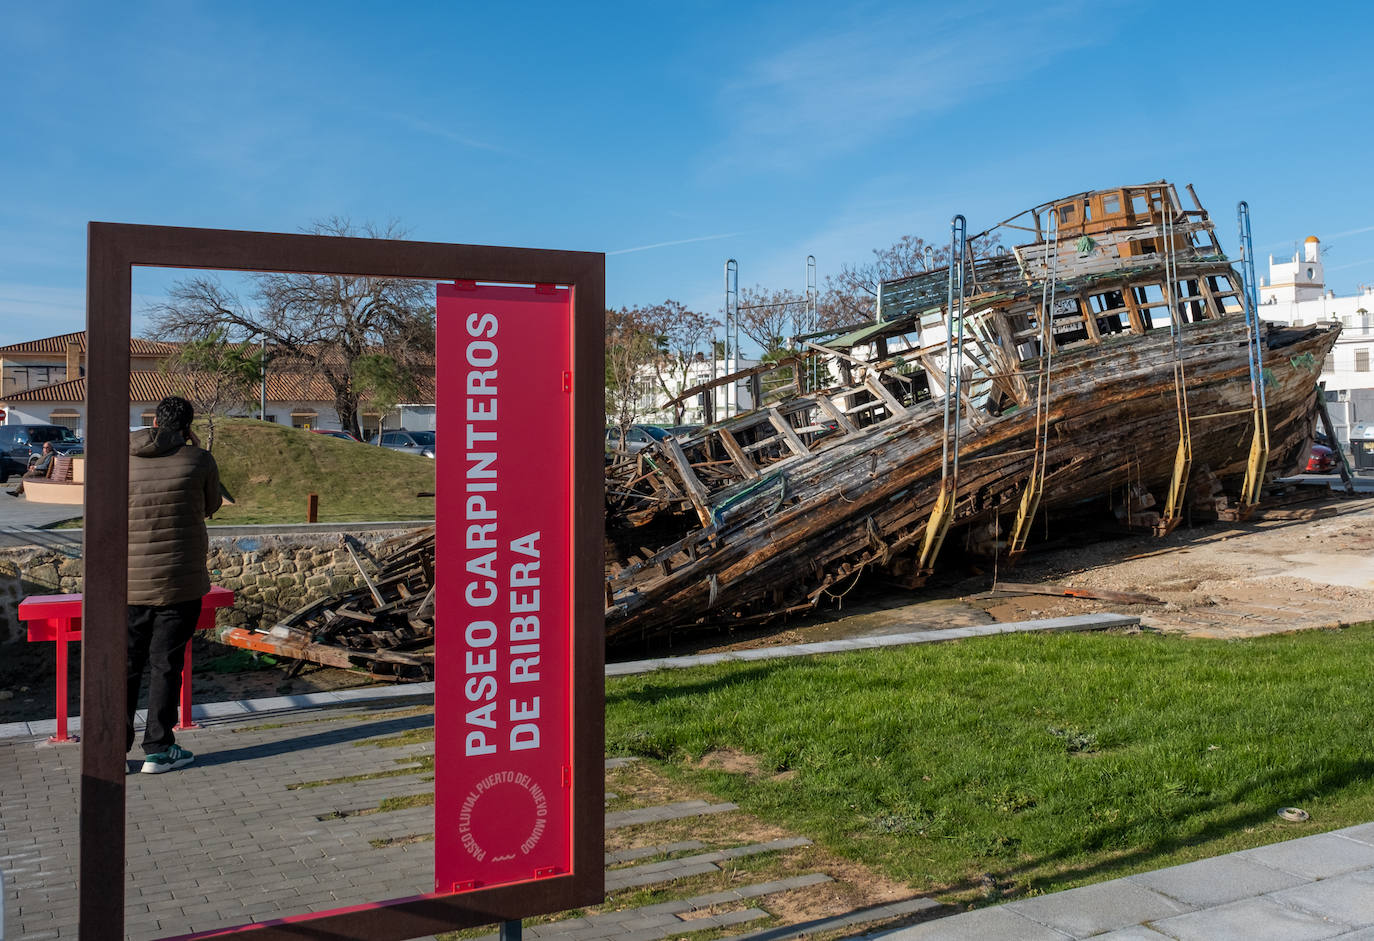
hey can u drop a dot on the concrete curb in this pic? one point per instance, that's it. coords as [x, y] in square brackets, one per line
[208, 713]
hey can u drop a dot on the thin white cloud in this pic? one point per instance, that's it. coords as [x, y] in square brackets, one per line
[1351, 264]
[843, 89]
[31, 311]
[438, 130]
[1360, 231]
[1325, 239]
[701, 238]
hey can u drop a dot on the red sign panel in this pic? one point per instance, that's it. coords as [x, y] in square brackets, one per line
[503, 602]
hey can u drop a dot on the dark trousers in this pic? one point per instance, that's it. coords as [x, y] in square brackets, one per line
[157, 640]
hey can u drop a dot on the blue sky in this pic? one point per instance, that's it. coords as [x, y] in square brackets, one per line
[670, 136]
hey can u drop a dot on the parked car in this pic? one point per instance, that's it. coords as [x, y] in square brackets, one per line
[336, 433]
[18, 443]
[637, 438]
[1320, 460]
[411, 442]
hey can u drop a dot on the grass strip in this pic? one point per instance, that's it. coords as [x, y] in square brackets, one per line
[422, 765]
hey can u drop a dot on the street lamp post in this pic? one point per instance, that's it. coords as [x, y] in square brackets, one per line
[262, 376]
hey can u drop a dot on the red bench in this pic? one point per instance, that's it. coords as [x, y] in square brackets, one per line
[58, 618]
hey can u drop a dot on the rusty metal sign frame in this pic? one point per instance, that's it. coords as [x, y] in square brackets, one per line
[113, 251]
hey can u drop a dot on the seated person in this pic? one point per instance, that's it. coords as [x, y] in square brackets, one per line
[39, 469]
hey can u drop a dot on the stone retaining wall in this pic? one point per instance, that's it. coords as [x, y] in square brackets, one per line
[271, 576]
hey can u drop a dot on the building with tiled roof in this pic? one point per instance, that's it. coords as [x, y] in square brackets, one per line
[297, 399]
[51, 360]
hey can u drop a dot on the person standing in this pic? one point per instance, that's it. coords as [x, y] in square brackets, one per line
[173, 489]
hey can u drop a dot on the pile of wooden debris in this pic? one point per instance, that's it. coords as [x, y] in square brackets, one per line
[387, 625]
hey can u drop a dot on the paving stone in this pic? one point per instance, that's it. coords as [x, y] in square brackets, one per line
[848, 920]
[665, 812]
[1258, 919]
[1359, 934]
[985, 924]
[1211, 882]
[1363, 833]
[1078, 622]
[1316, 857]
[671, 869]
[1097, 908]
[630, 855]
[1348, 899]
[630, 878]
[1133, 933]
[722, 920]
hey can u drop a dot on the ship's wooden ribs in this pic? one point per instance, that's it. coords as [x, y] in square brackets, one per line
[864, 496]
[873, 384]
[364, 626]
[732, 448]
[789, 434]
[836, 414]
[695, 490]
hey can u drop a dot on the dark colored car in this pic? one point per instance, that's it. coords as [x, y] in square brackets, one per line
[1320, 460]
[20, 442]
[336, 433]
[411, 442]
[637, 438]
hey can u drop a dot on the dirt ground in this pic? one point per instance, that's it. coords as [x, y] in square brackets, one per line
[1225, 580]
[1217, 579]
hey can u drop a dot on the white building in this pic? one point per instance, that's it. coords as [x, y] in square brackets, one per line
[701, 409]
[1296, 293]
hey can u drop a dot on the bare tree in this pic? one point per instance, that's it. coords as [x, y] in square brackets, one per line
[767, 316]
[631, 346]
[680, 335]
[851, 296]
[328, 323]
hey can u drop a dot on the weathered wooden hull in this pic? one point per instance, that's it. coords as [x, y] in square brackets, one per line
[866, 500]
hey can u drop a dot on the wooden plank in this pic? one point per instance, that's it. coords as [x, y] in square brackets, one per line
[1066, 591]
[376, 595]
[1312, 513]
[789, 434]
[732, 448]
[696, 492]
[344, 611]
[894, 406]
[836, 414]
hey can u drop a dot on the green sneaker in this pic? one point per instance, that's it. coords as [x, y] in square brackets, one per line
[173, 758]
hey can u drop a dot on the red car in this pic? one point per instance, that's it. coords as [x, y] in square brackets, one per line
[1320, 460]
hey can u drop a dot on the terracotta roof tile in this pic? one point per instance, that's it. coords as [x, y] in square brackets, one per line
[58, 345]
[73, 390]
[152, 386]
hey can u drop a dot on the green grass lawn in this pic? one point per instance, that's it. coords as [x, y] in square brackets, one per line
[271, 469]
[1044, 761]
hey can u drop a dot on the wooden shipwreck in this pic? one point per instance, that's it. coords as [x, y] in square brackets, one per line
[385, 626]
[1114, 354]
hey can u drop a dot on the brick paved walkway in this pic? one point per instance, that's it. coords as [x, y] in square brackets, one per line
[254, 834]
[227, 839]
[248, 840]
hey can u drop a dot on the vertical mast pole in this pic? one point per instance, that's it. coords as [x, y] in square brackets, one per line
[731, 335]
